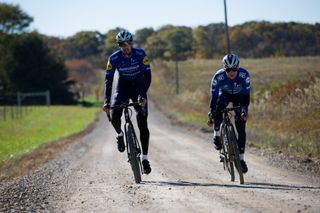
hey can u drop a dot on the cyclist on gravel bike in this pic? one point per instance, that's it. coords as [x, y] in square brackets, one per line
[133, 83]
[230, 84]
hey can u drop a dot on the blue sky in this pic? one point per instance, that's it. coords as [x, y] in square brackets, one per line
[66, 17]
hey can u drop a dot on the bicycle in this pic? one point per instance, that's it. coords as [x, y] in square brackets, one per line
[132, 143]
[229, 154]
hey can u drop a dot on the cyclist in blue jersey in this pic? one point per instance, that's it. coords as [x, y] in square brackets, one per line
[134, 71]
[230, 84]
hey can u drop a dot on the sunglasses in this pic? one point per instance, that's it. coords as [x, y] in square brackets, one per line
[123, 44]
[231, 69]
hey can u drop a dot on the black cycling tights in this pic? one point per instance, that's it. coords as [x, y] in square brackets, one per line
[241, 129]
[142, 124]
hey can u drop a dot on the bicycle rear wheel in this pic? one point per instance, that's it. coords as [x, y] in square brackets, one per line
[234, 144]
[227, 153]
[132, 152]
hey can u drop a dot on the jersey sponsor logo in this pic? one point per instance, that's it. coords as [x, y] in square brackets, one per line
[125, 69]
[214, 83]
[248, 80]
[145, 61]
[242, 75]
[109, 66]
[220, 77]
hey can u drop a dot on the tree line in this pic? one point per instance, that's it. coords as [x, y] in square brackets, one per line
[31, 61]
[251, 39]
[27, 63]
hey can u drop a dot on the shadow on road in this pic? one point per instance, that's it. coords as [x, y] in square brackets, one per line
[251, 185]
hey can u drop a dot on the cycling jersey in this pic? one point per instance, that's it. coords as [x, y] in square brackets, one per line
[134, 74]
[221, 85]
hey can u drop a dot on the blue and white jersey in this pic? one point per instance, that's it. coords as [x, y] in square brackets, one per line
[129, 68]
[221, 84]
[134, 73]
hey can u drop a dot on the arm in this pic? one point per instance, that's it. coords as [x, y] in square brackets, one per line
[145, 66]
[108, 82]
[214, 94]
[245, 98]
[147, 76]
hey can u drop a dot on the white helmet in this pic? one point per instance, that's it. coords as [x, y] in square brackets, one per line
[124, 36]
[231, 61]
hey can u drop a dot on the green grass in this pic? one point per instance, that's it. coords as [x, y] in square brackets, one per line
[40, 125]
[284, 107]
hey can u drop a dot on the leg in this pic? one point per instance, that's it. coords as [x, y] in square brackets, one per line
[116, 114]
[241, 129]
[217, 122]
[142, 120]
[240, 125]
[116, 119]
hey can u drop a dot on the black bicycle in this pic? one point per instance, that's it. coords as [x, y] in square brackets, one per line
[132, 143]
[229, 154]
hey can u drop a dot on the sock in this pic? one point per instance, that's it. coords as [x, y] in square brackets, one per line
[120, 134]
[144, 157]
[242, 156]
[216, 133]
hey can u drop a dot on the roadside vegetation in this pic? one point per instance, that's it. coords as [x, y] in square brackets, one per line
[285, 97]
[41, 125]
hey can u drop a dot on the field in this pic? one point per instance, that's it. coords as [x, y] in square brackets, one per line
[41, 124]
[285, 97]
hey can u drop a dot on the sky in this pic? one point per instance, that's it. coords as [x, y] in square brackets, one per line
[65, 18]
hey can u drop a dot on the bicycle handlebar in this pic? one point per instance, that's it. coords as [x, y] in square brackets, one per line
[122, 106]
[228, 109]
[125, 105]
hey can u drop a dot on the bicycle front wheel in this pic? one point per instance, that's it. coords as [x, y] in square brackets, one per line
[234, 144]
[228, 163]
[132, 152]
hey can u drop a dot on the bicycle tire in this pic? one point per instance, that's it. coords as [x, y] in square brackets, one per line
[132, 152]
[233, 142]
[227, 153]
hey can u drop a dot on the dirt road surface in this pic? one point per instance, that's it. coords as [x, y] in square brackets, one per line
[90, 175]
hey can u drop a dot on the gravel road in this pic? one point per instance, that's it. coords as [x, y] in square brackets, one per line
[90, 175]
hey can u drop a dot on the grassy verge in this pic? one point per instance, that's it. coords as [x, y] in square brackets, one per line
[284, 105]
[41, 125]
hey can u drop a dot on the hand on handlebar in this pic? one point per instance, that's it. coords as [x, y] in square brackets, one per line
[142, 101]
[211, 116]
[244, 115]
[106, 107]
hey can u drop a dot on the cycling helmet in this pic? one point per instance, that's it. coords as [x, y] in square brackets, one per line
[231, 61]
[124, 36]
